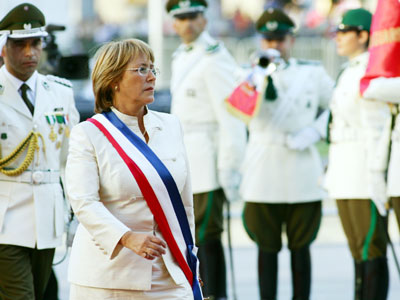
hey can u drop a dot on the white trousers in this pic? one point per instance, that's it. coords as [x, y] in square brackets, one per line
[162, 288]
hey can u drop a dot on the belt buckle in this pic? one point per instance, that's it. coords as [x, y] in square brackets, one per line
[37, 177]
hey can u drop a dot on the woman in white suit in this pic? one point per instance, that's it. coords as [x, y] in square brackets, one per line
[129, 186]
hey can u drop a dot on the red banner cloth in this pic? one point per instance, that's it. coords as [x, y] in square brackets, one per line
[384, 49]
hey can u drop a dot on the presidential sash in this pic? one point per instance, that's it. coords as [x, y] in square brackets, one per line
[158, 188]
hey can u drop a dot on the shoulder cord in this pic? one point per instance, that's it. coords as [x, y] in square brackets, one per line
[30, 142]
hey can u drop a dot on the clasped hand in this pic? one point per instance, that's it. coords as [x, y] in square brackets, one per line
[145, 245]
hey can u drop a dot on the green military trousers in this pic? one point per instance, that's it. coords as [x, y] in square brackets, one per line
[396, 207]
[264, 223]
[364, 228]
[24, 272]
[208, 212]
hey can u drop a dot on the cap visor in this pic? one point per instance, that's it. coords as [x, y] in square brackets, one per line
[28, 35]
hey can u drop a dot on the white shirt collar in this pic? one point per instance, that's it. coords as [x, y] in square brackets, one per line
[31, 82]
[361, 58]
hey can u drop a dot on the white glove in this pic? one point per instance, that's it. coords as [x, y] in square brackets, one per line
[229, 181]
[377, 190]
[303, 139]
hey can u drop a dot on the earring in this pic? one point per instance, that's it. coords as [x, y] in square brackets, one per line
[116, 88]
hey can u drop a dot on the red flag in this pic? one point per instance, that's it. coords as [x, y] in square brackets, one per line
[384, 48]
[244, 102]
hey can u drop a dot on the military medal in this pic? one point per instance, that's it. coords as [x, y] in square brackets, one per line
[52, 135]
[66, 122]
[58, 145]
[51, 120]
[67, 131]
[60, 120]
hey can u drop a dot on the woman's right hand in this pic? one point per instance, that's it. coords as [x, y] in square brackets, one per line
[145, 245]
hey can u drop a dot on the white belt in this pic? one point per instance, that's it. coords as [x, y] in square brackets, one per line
[34, 177]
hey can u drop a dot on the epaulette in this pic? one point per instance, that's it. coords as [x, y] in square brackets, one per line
[213, 48]
[59, 80]
[308, 62]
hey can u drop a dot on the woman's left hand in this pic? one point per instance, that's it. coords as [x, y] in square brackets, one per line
[145, 245]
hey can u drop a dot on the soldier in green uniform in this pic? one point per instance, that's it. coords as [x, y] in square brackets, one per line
[36, 115]
[282, 167]
[355, 164]
[202, 78]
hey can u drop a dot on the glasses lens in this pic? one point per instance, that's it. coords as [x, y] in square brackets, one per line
[155, 71]
[143, 71]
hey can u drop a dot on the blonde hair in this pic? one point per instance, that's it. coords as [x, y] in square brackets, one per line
[111, 60]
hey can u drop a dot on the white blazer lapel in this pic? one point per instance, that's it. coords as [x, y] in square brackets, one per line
[11, 97]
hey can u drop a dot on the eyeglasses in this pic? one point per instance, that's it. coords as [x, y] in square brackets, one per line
[144, 71]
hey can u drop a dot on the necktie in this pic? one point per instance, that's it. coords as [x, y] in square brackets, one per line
[24, 88]
[270, 91]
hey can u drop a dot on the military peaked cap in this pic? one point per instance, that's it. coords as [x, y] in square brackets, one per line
[356, 19]
[181, 7]
[274, 23]
[23, 21]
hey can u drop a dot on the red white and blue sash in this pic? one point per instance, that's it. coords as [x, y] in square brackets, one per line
[158, 188]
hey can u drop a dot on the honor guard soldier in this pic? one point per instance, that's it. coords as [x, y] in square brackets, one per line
[282, 166]
[202, 77]
[354, 167]
[36, 115]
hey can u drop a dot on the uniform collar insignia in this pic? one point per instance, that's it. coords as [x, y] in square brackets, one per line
[188, 48]
[271, 25]
[1, 89]
[46, 85]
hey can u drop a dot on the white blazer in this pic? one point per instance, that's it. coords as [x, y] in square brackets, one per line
[32, 214]
[108, 202]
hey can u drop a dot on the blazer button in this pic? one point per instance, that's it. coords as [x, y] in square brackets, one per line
[105, 252]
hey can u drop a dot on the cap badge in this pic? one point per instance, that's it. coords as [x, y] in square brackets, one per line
[272, 25]
[26, 7]
[28, 26]
[184, 4]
